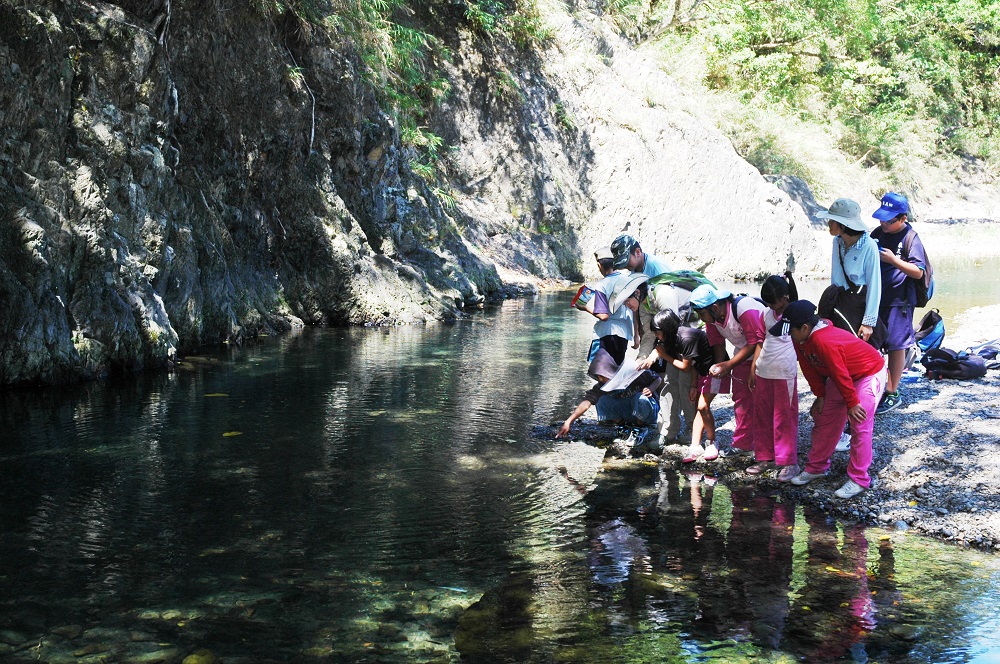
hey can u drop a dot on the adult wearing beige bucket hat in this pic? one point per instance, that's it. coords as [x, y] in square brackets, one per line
[855, 260]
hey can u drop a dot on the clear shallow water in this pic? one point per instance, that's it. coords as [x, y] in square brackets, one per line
[376, 495]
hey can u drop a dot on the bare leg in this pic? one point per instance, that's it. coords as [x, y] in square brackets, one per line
[704, 421]
[897, 359]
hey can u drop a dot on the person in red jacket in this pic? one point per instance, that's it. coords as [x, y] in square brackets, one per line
[848, 377]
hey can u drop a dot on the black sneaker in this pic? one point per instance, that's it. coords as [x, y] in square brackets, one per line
[889, 401]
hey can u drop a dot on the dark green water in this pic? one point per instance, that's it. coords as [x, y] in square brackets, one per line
[376, 495]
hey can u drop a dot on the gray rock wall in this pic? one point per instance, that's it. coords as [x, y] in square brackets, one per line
[166, 182]
[610, 153]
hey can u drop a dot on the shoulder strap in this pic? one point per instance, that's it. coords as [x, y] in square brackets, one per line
[908, 241]
[840, 252]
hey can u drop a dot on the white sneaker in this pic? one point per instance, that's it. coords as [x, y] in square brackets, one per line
[806, 477]
[849, 490]
[844, 444]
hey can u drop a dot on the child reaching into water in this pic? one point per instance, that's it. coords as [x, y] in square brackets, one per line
[688, 349]
[774, 381]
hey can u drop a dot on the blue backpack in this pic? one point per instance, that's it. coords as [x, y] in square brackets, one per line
[930, 333]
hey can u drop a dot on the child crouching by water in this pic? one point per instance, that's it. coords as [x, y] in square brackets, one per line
[774, 381]
[636, 405]
[688, 349]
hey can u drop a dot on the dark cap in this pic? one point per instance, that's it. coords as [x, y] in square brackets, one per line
[795, 314]
[621, 247]
[603, 365]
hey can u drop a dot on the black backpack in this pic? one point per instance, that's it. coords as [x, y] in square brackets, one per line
[989, 351]
[946, 363]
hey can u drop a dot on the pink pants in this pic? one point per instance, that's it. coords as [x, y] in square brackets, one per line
[743, 407]
[830, 424]
[776, 420]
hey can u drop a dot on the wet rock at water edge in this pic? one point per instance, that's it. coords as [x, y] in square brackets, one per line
[202, 657]
[618, 450]
[90, 649]
[905, 632]
[67, 631]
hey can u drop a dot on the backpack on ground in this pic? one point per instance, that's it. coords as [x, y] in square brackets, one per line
[930, 333]
[989, 351]
[946, 363]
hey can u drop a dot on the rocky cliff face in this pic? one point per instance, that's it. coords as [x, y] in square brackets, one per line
[173, 173]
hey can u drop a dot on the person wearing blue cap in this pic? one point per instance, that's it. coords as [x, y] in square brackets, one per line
[847, 376]
[740, 322]
[903, 263]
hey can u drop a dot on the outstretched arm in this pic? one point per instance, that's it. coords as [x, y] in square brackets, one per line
[581, 408]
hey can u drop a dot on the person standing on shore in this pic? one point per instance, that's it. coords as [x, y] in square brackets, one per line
[855, 259]
[848, 377]
[738, 321]
[628, 254]
[899, 294]
[774, 382]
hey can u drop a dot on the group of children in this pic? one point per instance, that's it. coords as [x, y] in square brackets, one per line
[685, 367]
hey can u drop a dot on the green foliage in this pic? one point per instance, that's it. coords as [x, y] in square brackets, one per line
[905, 78]
[403, 62]
[564, 118]
[519, 21]
[506, 86]
[763, 151]
[627, 16]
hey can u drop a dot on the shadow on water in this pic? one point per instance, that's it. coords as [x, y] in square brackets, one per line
[376, 495]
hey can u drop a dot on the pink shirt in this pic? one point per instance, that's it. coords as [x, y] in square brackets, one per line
[746, 329]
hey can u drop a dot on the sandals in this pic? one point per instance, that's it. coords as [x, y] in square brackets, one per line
[693, 453]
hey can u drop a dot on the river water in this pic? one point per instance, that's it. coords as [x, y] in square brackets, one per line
[378, 495]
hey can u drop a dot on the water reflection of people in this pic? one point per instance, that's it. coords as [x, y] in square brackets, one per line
[751, 600]
[833, 612]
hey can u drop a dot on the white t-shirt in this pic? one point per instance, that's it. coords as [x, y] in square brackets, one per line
[777, 356]
[620, 323]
